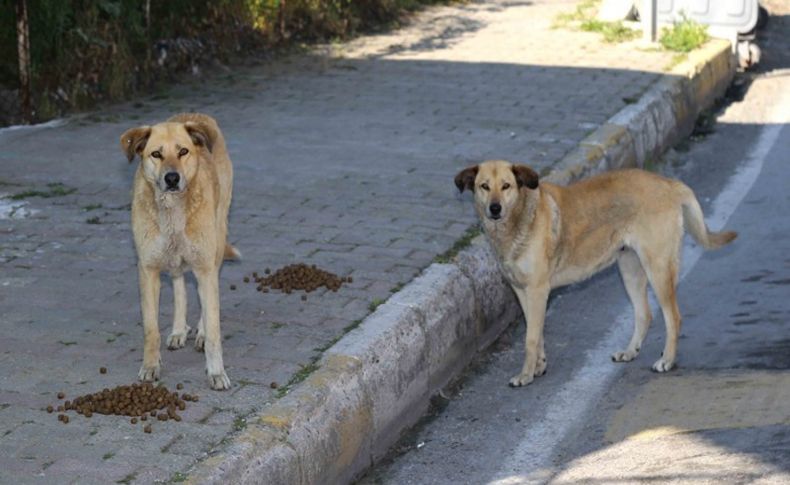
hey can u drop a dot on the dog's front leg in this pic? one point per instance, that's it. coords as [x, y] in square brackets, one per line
[149, 302]
[178, 335]
[208, 289]
[533, 302]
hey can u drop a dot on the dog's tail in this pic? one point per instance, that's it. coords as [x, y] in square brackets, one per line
[695, 223]
[231, 253]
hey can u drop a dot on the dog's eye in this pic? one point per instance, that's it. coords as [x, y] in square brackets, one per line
[156, 154]
[182, 152]
[506, 186]
[485, 187]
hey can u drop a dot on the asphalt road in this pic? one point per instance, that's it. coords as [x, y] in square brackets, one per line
[723, 416]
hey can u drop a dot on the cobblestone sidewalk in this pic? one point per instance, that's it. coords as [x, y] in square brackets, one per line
[343, 157]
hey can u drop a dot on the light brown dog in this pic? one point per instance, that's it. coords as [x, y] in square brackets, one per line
[182, 192]
[547, 236]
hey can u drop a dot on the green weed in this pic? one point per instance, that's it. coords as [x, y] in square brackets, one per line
[54, 190]
[464, 242]
[612, 31]
[684, 36]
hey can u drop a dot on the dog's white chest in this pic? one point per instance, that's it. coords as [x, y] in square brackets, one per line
[171, 248]
[516, 274]
[176, 252]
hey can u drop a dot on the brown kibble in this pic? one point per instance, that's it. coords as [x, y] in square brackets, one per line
[65, 419]
[274, 385]
[61, 409]
[162, 417]
[147, 428]
[88, 414]
[232, 287]
[179, 386]
[102, 370]
[133, 420]
[177, 417]
[195, 399]
[61, 395]
[50, 409]
[144, 417]
[246, 279]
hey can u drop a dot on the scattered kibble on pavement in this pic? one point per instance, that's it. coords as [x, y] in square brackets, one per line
[136, 401]
[294, 277]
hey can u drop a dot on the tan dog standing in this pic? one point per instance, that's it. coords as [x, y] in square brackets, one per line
[182, 192]
[546, 236]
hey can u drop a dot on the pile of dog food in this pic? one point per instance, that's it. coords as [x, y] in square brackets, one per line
[297, 277]
[139, 401]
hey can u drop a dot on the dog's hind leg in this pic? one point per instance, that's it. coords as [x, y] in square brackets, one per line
[635, 281]
[208, 288]
[662, 271]
[149, 301]
[178, 335]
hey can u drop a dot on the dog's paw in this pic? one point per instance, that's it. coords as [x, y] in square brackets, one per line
[200, 342]
[177, 340]
[663, 365]
[149, 373]
[521, 380]
[540, 367]
[219, 382]
[625, 356]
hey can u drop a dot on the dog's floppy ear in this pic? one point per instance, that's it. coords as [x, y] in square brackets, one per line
[134, 140]
[466, 178]
[525, 176]
[201, 133]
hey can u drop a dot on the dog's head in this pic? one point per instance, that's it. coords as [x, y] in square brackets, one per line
[169, 152]
[497, 185]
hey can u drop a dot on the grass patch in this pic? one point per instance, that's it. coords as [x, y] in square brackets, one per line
[334, 340]
[178, 477]
[128, 478]
[612, 31]
[107, 456]
[464, 242]
[583, 18]
[239, 423]
[92, 207]
[375, 304]
[300, 375]
[584, 11]
[67, 343]
[56, 189]
[684, 36]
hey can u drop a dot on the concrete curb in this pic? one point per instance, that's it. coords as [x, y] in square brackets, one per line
[378, 380]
